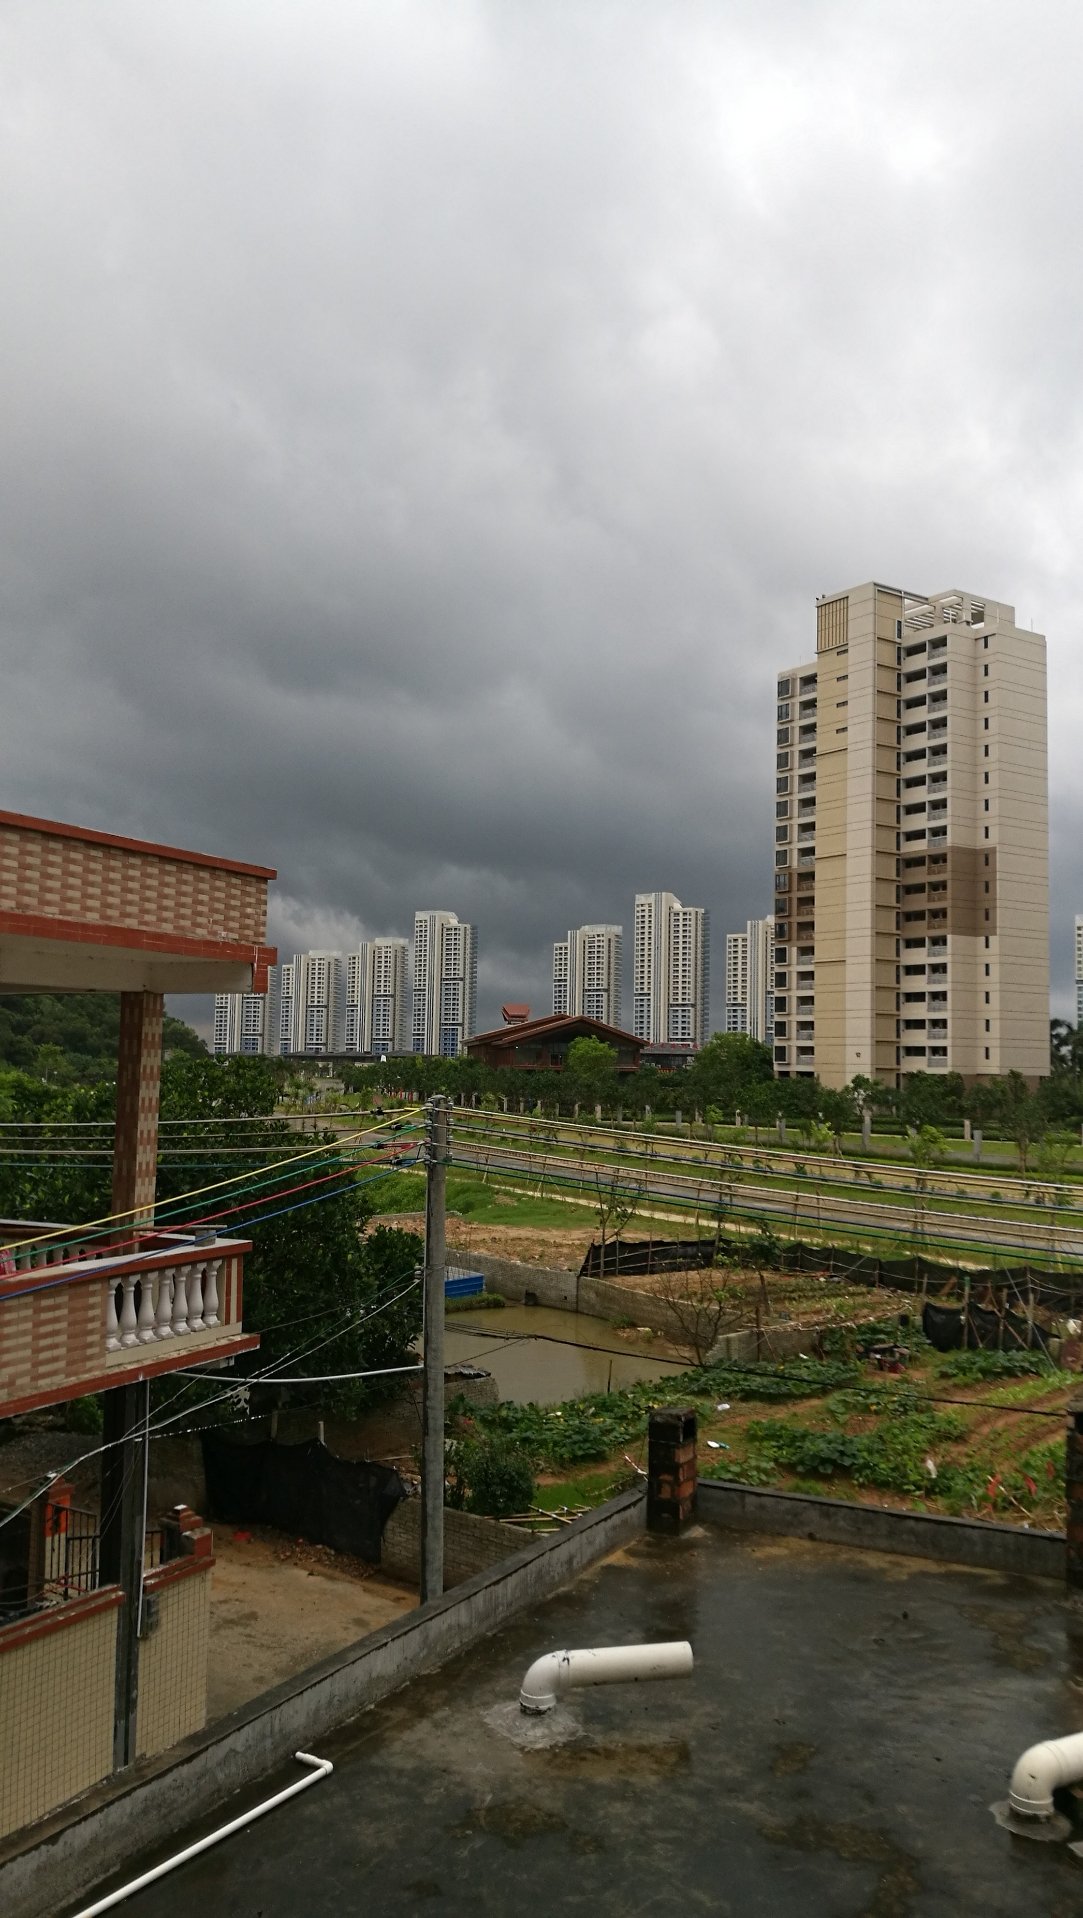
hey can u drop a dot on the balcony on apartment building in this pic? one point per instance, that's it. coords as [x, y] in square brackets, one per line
[84, 1308]
[79, 1317]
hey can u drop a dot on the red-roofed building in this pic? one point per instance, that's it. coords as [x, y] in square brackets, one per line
[542, 1044]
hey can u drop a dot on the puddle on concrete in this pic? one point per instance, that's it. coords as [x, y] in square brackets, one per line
[1008, 1631]
[618, 1758]
[790, 1759]
[897, 1885]
[514, 1820]
[533, 1731]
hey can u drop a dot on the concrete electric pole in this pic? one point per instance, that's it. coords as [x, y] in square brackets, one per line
[438, 1145]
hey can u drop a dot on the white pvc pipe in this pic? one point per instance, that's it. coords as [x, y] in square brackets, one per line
[1059, 1761]
[558, 1672]
[322, 1767]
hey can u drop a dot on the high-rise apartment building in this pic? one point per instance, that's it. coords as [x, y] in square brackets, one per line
[320, 1002]
[375, 1005]
[587, 968]
[671, 970]
[911, 842]
[239, 1022]
[445, 984]
[306, 1004]
[736, 1018]
[749, 974]
[1079, 970]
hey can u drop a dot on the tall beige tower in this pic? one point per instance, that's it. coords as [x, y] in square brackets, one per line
[912, 843]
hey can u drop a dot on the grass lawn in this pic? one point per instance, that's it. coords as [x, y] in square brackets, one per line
[469, 1196]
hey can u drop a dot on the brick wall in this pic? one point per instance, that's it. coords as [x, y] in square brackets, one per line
[471, 1544]
[56, 875]
[56, 1705]
[173, 1656]
[51, 1337]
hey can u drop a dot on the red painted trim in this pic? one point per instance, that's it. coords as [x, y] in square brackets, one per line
[72, 1612]
[131, 1374]
[55, 829]
[174, 1570]
[172, 945]
[99, 1265]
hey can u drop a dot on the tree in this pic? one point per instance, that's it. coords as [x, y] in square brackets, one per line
[319, 1289]
[616, 1206]
[840, 1112]
[726, 1069]
[74, 1035]
[698, 1309]
[591, 1071]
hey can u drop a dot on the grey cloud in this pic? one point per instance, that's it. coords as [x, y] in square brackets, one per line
[427, 427]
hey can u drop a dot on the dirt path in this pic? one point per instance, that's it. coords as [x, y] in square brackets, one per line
[278, 1606]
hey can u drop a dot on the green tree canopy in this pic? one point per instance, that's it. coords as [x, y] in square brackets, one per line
[726, 1069]
[591, 1070]
[72, 1037]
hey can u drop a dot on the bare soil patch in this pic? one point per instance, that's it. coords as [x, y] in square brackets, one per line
[279, 1604]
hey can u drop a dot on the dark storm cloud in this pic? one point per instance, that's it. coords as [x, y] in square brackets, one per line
[426, 427]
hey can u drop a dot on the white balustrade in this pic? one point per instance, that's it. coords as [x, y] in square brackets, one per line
[129, 1324]
[180, 1301]
[146, 1309]
[195, 1297]
[210, 1292]
[163, 1325]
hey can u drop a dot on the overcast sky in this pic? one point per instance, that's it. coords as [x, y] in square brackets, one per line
[427, 425]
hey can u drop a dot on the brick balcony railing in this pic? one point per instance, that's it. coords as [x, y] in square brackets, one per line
[79, 1320]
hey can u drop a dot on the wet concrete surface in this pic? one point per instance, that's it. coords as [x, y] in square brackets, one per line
[850, 1720]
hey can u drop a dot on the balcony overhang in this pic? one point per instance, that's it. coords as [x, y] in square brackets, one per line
[85, 911]
[73, 1321]
[64, 958]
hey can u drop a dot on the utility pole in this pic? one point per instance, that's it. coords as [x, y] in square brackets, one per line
[438, 1145]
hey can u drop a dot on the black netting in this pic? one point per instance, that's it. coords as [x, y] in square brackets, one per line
[302, 1489]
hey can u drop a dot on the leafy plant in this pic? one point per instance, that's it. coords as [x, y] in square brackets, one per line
[489, 1474]
[995, 1365]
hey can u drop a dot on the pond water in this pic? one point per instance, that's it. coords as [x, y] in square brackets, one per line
[535, 1352]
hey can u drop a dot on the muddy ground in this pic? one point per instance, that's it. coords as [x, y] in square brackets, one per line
[279, 1605]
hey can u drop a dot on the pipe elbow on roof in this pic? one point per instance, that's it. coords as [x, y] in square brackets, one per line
[557, 1672]
[1040, 1771]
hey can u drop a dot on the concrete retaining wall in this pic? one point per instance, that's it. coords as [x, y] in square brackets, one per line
[64, 1856]
[608, 1299]
[471, 1544]
[952, 1541]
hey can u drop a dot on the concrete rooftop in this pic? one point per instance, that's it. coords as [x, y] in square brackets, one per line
[851, 1718]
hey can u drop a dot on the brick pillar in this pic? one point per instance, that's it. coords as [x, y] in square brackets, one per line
[1073, 1485]
[671, 1468]
[139, 1071]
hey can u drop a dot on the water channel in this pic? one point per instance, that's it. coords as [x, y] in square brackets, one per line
[519, 1347]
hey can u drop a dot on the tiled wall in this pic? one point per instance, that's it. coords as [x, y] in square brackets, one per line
[56, 877]
[56, 1706]
[51, 1337]
[173, 1656]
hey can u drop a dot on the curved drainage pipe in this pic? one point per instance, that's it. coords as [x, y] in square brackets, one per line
[1028, 1810]
[322, 1767]
[559, 1672]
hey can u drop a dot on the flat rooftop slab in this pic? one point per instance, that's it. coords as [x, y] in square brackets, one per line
[850, 1721]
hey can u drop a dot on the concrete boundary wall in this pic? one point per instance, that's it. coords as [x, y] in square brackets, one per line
[608, 1299]
[983, 1543]
[58, 1861]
